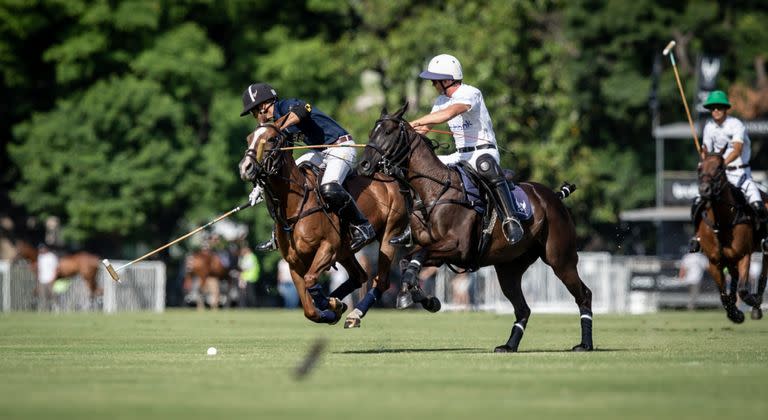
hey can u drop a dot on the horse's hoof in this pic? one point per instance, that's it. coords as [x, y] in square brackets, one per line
[404, 300]
[504, 349]
[757, 313]
[338, 307]
[737, 317]
[352, 323]
[582, 347]
[431, 304]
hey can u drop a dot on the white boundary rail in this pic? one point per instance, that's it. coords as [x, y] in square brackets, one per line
[142, 289]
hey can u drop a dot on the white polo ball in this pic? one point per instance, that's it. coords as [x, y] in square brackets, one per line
[212, 351]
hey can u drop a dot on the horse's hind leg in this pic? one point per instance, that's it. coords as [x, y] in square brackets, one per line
[568, 273]
[757, 312]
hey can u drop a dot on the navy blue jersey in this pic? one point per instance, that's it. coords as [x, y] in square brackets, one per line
[317, 128]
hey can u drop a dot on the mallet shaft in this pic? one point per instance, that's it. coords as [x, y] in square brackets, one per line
[668, 51]
[113, 271]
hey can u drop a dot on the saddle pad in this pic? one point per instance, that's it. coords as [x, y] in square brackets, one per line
[523, 210]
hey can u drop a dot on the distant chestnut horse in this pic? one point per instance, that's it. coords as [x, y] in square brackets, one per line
[727, 238]
[84, 264]
[206, 265]
[445, 224]
[310, 237]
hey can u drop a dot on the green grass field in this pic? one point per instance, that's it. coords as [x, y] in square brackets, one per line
[399, 365]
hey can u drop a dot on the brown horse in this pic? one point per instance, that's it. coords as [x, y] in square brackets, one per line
[84, 264]
[206, 266]
[445, 225]
[311, 238]
[727, 237]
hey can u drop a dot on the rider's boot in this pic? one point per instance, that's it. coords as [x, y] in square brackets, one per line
[360, 229]
[269, 245]
[403, 239]
[694, 245]
[490, 170]
[760, 223]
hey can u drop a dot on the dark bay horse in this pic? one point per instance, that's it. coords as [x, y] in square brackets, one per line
[84, 264]
[727, 238]
[445, 226]
[310, 237]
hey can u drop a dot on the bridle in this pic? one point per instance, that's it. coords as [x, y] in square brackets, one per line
[716, 181]
[393, 156]
[266, 166]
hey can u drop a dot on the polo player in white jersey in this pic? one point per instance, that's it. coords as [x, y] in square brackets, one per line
[463, 108]
[724, 131]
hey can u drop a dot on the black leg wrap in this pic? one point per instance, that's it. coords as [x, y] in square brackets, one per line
[734, 314]
[586, 331]
[514, 337]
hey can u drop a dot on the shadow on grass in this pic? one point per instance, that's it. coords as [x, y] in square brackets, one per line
[381, 351]
[470, 350]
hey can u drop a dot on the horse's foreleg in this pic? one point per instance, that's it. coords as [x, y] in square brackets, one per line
[318, 307]
[409, 286]
[757, 312]
[728, 300]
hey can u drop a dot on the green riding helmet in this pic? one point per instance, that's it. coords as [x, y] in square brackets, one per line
[716, 97]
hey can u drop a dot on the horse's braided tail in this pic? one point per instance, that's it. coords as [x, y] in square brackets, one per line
[565, 190]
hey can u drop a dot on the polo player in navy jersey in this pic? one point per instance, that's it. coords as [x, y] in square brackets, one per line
[312, 127]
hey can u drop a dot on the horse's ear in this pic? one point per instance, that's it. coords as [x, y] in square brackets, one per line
[383, 111]
[400, 112]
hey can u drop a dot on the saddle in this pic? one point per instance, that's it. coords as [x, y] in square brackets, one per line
[478, 195]
[744, 212]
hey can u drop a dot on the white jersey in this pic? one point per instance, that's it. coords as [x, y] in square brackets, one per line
[474, 127]
[717, 136]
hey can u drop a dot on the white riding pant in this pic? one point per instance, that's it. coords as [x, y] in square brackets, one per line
[336, 160]
[469, 157]
[742, 179]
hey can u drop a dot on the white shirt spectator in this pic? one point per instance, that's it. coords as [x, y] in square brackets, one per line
[47, 262]
[692, 268]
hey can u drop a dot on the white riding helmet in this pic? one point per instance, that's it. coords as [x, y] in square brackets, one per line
[443, 67]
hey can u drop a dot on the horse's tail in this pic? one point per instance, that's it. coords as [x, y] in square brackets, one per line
[565, 190]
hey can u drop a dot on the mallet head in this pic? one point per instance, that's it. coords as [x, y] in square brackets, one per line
[669, 47]
[111, 270]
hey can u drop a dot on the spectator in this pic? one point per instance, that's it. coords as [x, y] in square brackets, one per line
[692, 267]
[285, 285]
[249, 276]
[47, 263]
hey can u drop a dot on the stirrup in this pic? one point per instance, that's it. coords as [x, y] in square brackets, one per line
[513, 230]
[403, 239]
[360, 235]
[267, 246]
[694, 245]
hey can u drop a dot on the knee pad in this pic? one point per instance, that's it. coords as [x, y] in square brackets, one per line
[334, 194]
[489, 169]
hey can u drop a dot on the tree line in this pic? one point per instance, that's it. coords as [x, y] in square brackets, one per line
[121, 117]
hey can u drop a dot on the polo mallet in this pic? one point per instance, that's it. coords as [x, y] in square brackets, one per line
[113, 271]
[668, 51]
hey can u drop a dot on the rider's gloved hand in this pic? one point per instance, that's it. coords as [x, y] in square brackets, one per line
[255, 196]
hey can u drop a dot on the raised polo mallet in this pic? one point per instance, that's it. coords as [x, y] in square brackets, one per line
[668, 51]
[113, 271]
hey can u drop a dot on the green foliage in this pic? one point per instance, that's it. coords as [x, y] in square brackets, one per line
[123, 116]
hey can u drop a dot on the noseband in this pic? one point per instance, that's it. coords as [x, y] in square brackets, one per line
[268, 165]
[715, 181]
[393, 155]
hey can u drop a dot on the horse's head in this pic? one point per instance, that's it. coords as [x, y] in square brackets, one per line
[388, 144]
[263, 156]
[712, 177]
